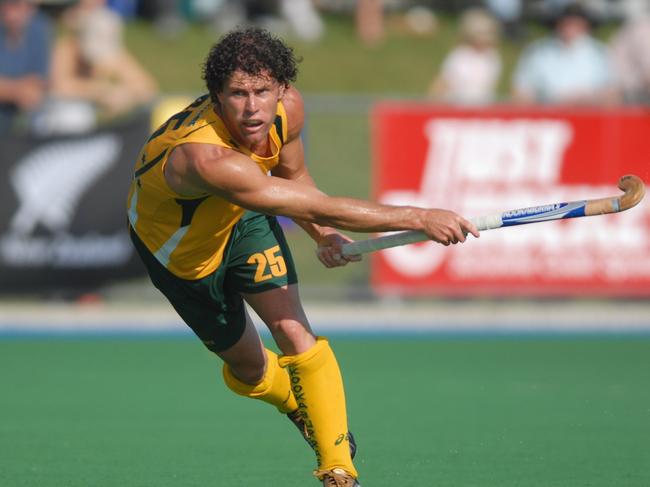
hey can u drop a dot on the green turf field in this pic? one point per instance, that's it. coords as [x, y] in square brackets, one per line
[427, 411]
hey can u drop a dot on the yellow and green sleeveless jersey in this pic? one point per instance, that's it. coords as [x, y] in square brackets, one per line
[188, 235]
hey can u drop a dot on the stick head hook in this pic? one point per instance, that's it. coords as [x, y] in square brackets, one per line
[634, 190]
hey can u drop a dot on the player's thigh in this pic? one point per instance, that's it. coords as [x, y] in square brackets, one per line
[276, 305]
[261, 269]
[216, 316]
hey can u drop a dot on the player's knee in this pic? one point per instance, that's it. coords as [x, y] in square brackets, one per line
[290, 329]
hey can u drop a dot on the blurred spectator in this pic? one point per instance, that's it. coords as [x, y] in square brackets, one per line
[630, 49]
[303, 18]
[93, 75]
[126, 8]
[553, 7]
[297, 17]
[24, 60]
[568, 67]
[369, 18]
[509, 13]
[471, 70]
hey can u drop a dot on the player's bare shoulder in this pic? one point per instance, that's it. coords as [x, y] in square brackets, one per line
[295, 108]
[189, 162]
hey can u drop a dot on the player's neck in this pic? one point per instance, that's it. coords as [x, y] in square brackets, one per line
[261, 148]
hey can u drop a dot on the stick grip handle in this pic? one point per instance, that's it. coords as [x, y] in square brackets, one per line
[486, 222]
[384, 242]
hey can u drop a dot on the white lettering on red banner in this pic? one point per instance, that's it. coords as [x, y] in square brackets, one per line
[479, 166]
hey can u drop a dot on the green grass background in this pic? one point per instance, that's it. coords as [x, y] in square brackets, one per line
[427, 411]
[402, 64]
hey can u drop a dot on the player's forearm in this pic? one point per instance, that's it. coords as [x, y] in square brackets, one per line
[315, 215]
[314, 230]
[242, 183]
[302, 176]
[364, 216]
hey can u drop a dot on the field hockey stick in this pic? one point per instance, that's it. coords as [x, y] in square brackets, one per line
[633, 192]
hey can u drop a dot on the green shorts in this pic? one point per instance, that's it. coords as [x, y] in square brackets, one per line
[256, 259]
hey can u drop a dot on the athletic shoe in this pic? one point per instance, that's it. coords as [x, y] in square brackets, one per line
[337, 478]
[297, 419]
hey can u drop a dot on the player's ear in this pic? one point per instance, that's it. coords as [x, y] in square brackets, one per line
[283, 89]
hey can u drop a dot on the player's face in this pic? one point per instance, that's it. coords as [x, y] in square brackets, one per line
[248, 105]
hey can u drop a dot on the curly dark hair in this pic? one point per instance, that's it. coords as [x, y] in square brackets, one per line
[251, 50]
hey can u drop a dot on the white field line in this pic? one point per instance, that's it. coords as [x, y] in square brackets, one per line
[361, 317]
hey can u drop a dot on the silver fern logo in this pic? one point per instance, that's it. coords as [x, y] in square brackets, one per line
[50, 181]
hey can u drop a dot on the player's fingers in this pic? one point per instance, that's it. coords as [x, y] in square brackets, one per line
[321, 253]
[469, 227]
[331, 258]
[441, 239]
[458, 235]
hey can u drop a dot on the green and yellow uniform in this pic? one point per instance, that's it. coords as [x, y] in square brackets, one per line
[203, 251]
[188, 235]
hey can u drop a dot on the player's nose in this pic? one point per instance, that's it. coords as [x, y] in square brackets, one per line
[251, 104]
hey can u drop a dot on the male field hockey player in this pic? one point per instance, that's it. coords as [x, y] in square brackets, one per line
[207, 187]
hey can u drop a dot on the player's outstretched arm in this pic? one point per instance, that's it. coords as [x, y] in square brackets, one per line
[238, 179]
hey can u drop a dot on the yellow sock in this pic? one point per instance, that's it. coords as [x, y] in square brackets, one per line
[275, 387]
[318, 388]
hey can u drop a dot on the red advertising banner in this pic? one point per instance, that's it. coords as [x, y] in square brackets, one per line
[482, 161]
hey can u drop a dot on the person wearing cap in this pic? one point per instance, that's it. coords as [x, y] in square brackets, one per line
[24, 62]
[470, 71]
[568, 67]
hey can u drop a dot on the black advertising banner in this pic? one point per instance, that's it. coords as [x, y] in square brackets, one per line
[62, 209]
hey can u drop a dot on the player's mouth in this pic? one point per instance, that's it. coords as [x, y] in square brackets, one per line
[252, 126]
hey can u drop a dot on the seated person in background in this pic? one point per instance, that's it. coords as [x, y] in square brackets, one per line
[91, 66]
[471, 71]
[568, 67]
[630, 49]
[24, 61]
